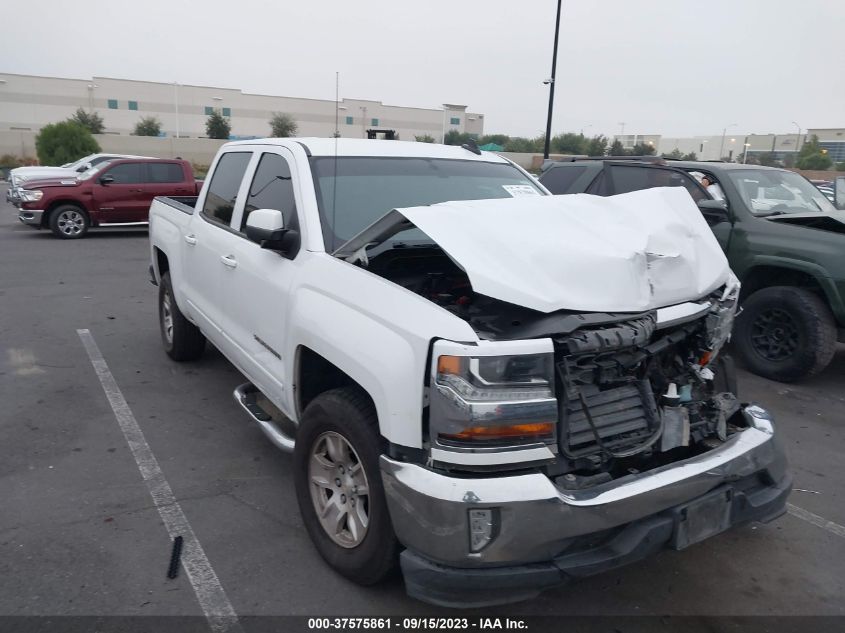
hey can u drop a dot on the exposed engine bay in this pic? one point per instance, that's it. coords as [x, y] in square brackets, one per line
[633, 394]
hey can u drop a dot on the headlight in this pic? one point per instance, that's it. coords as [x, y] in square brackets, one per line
[496, 400]
[31, 195]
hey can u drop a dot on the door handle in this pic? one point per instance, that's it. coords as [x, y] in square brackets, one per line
[229, 260]
[190, 239]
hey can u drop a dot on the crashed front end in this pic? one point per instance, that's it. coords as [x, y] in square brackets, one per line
[566, 456]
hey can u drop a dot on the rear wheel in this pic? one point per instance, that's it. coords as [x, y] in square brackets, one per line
[69, 222]
[785, 333]
[339, 488]
[182, 339]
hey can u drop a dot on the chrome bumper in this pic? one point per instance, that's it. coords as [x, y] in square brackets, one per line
[30, 216]
[537, 521]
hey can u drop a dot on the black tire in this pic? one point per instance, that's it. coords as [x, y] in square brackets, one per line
[182, 340]
[785, 333]
[347, 412]
[69, 222]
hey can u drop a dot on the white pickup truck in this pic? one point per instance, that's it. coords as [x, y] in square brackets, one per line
[496, 388]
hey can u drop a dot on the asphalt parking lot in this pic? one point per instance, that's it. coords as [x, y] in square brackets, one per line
[80, 534]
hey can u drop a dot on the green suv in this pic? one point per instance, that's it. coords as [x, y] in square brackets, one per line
[784, 240]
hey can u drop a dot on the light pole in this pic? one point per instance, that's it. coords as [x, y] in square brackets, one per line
[746, 145]
[798, 140]
[176, 105]
[336, 104]
[585, 127]
[722, 146]
[551, 83]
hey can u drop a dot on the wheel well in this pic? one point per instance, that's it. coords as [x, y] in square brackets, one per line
[316, 375]
[767, 276]
[162, 262]
[45, 219]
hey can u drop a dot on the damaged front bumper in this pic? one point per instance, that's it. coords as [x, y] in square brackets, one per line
[542, 534]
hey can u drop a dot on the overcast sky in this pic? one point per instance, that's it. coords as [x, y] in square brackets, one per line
[671, 67]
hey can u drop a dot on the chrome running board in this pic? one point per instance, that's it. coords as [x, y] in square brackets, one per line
[247, 396]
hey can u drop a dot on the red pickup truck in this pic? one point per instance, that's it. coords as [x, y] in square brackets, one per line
[112, 193]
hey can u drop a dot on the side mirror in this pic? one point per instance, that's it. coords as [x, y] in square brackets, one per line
[106, 180]
[714, 211]
[266, 227]
[84, 167]
[839, 193]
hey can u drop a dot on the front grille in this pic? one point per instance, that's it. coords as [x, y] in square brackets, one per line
[623, 417]
[596, 370]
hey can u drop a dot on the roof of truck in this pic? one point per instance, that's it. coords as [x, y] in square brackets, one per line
[366, 147]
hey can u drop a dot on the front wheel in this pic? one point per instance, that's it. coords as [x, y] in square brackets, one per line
[785, 333]
[69, 222]
[339, 488]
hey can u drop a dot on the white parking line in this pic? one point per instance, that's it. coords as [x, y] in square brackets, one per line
[210, 594]
[815, 519]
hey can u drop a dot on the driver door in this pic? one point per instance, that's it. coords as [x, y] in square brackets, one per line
[120, 199]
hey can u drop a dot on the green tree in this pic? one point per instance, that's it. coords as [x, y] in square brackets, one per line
[454, 137]
[148, 126]
[519, 144]
[813, 156]
[569, 143]
[498, 139]
[424, 138]
[768, 159]
[64, 142]
[92, 121]
[840, 166]
[282, 125]
[643, 149]
[690, 156]
[617, 149]
[675, 154]
[217, 126]
[597, 146]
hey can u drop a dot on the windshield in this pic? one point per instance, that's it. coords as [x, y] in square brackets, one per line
[93, 171]
[354, 192]
[773, 192]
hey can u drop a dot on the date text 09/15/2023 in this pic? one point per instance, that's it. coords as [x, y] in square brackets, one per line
[417, 624]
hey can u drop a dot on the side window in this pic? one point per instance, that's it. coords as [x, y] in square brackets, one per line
[559, 180]
[626, 179]
[127, 173]
[272, 188]
[165, 172]
[223, 189]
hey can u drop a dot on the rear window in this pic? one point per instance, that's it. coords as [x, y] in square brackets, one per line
[165, 172]
[627, 179]
[223, 188]
[558, 180]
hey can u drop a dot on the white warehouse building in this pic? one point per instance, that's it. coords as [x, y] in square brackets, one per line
[28, 102]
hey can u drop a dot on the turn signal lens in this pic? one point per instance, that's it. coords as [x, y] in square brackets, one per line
[533, 430]
[449, 365]
[705, 358]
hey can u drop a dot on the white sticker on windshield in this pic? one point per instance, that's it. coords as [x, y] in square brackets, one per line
[520, 190]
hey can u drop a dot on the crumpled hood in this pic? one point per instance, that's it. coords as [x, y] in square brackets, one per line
[627, 253]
